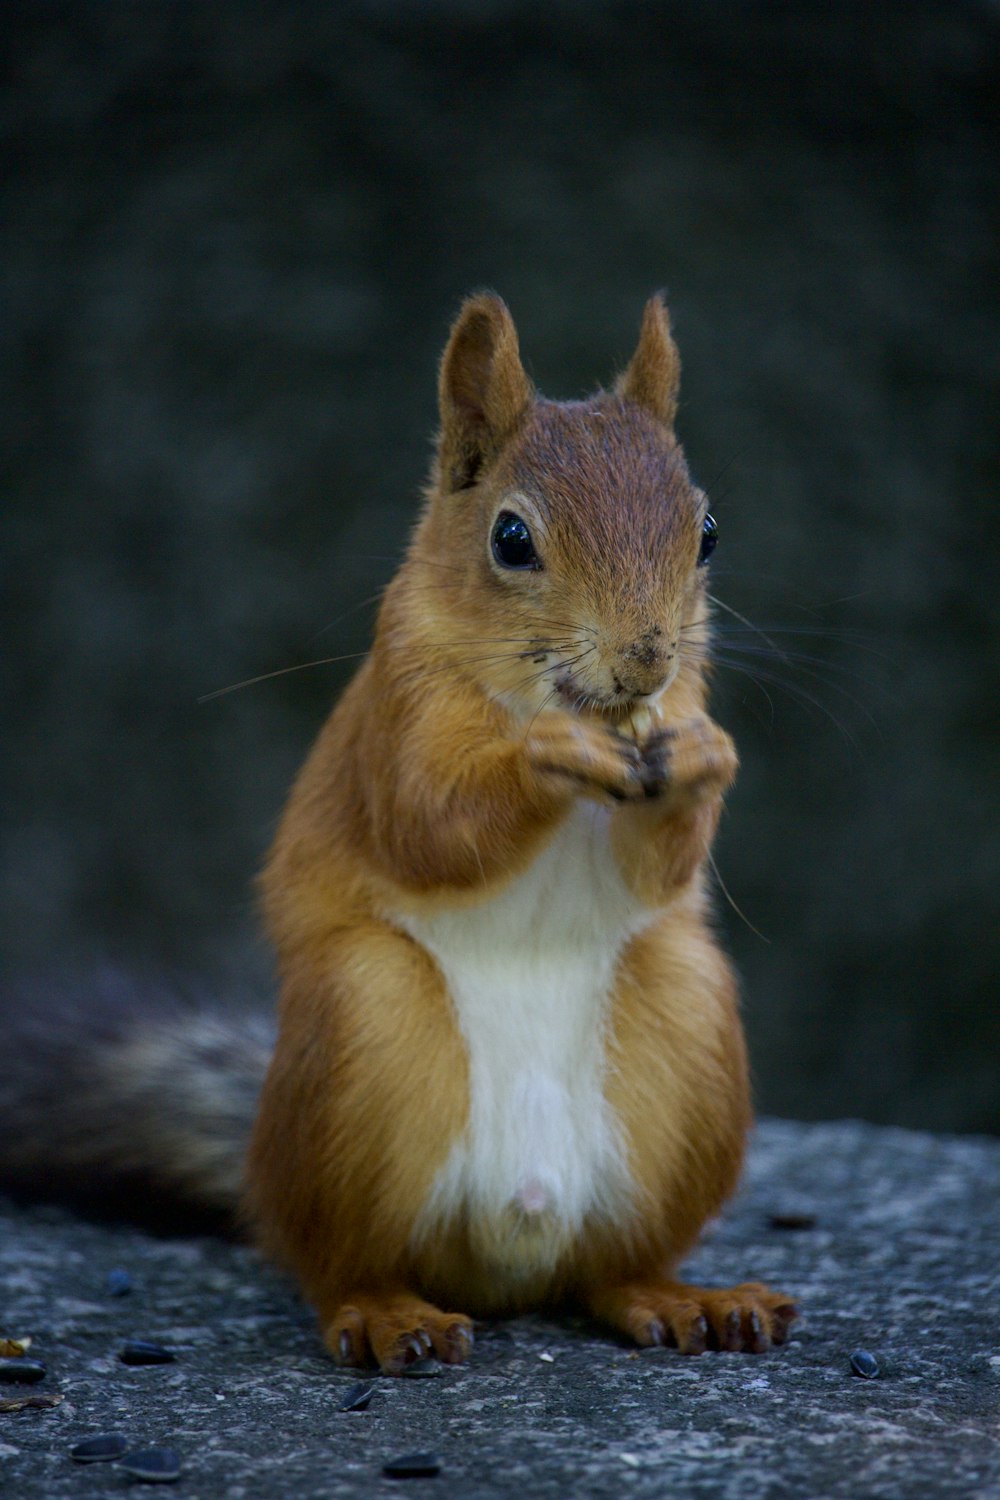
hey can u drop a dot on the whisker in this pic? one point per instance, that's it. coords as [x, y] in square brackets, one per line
[552, 693]
[472, 661]
[423, 562]
[538, 642]
[743, 620]
[800, 695]
[550, 620]
[705, 658]
[800, 599]
[725, 891]
[302, 666]
[573, 625]
[807, 660]
[708, 488]
[352, 610]
[554, 666]
[534, 676]
[859, 638]
[810, 666]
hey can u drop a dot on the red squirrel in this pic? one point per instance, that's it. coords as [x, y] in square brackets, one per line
[509, 1070]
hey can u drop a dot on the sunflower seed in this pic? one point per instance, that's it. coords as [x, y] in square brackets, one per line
[412, 1466]
[156, 1465]
[864, 1364]
[141, 1352]
[103, 1449]
[21, 1371]
[358, 1397]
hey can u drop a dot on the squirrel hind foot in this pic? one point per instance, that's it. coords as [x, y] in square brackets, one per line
[394, 1331]
[748, 1318]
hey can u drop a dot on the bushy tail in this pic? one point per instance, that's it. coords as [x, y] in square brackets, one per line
[131, 1103]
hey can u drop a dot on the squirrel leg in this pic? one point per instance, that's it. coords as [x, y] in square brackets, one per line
[395, 1329]
[366, 1093]
[749, 1317]
[673, 984]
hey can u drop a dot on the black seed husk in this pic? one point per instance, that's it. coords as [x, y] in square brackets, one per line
[141, 1352]
[792, 1221]
[96, 1450]
[412, 1466]
[421, 1369]
[21, 1371]
[118, 1282]
[358, 1397]
[864, 1364]
[155, 1465]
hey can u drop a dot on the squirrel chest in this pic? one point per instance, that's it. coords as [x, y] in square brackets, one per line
[530, 973]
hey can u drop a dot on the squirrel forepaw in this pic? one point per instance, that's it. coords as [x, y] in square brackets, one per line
[592, 758]
[691, 760]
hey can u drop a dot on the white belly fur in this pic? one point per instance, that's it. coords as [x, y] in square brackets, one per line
[530, 972]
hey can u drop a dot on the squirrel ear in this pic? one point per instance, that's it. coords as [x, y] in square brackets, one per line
[483, 390]
[654, 371]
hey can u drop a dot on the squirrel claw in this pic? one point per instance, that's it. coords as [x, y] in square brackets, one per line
[782, 1319]
[656, 1334]
[457, 1344]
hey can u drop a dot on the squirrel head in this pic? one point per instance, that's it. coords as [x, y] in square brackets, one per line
[565, 540]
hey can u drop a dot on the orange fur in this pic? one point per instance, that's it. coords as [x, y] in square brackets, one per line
[494, 703]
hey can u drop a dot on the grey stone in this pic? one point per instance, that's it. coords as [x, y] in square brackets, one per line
[903, 1261]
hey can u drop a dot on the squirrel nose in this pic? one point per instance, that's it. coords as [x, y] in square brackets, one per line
[645, 663]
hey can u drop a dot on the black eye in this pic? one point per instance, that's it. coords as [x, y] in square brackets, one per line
[512, 544]
[709, 537]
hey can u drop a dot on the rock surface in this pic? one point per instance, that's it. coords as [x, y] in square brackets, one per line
[903, 1260]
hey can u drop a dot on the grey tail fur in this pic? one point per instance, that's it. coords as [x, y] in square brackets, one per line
[129, 1103]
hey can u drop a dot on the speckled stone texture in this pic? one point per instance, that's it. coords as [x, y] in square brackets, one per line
[903, 1260]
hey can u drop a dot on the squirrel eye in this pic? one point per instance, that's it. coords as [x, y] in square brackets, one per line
[512, 544]
[709, 537]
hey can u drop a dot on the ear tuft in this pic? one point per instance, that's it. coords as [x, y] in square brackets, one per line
[483, 390]
[653, 376]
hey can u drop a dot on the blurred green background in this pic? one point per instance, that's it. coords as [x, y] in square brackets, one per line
[233, 239]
